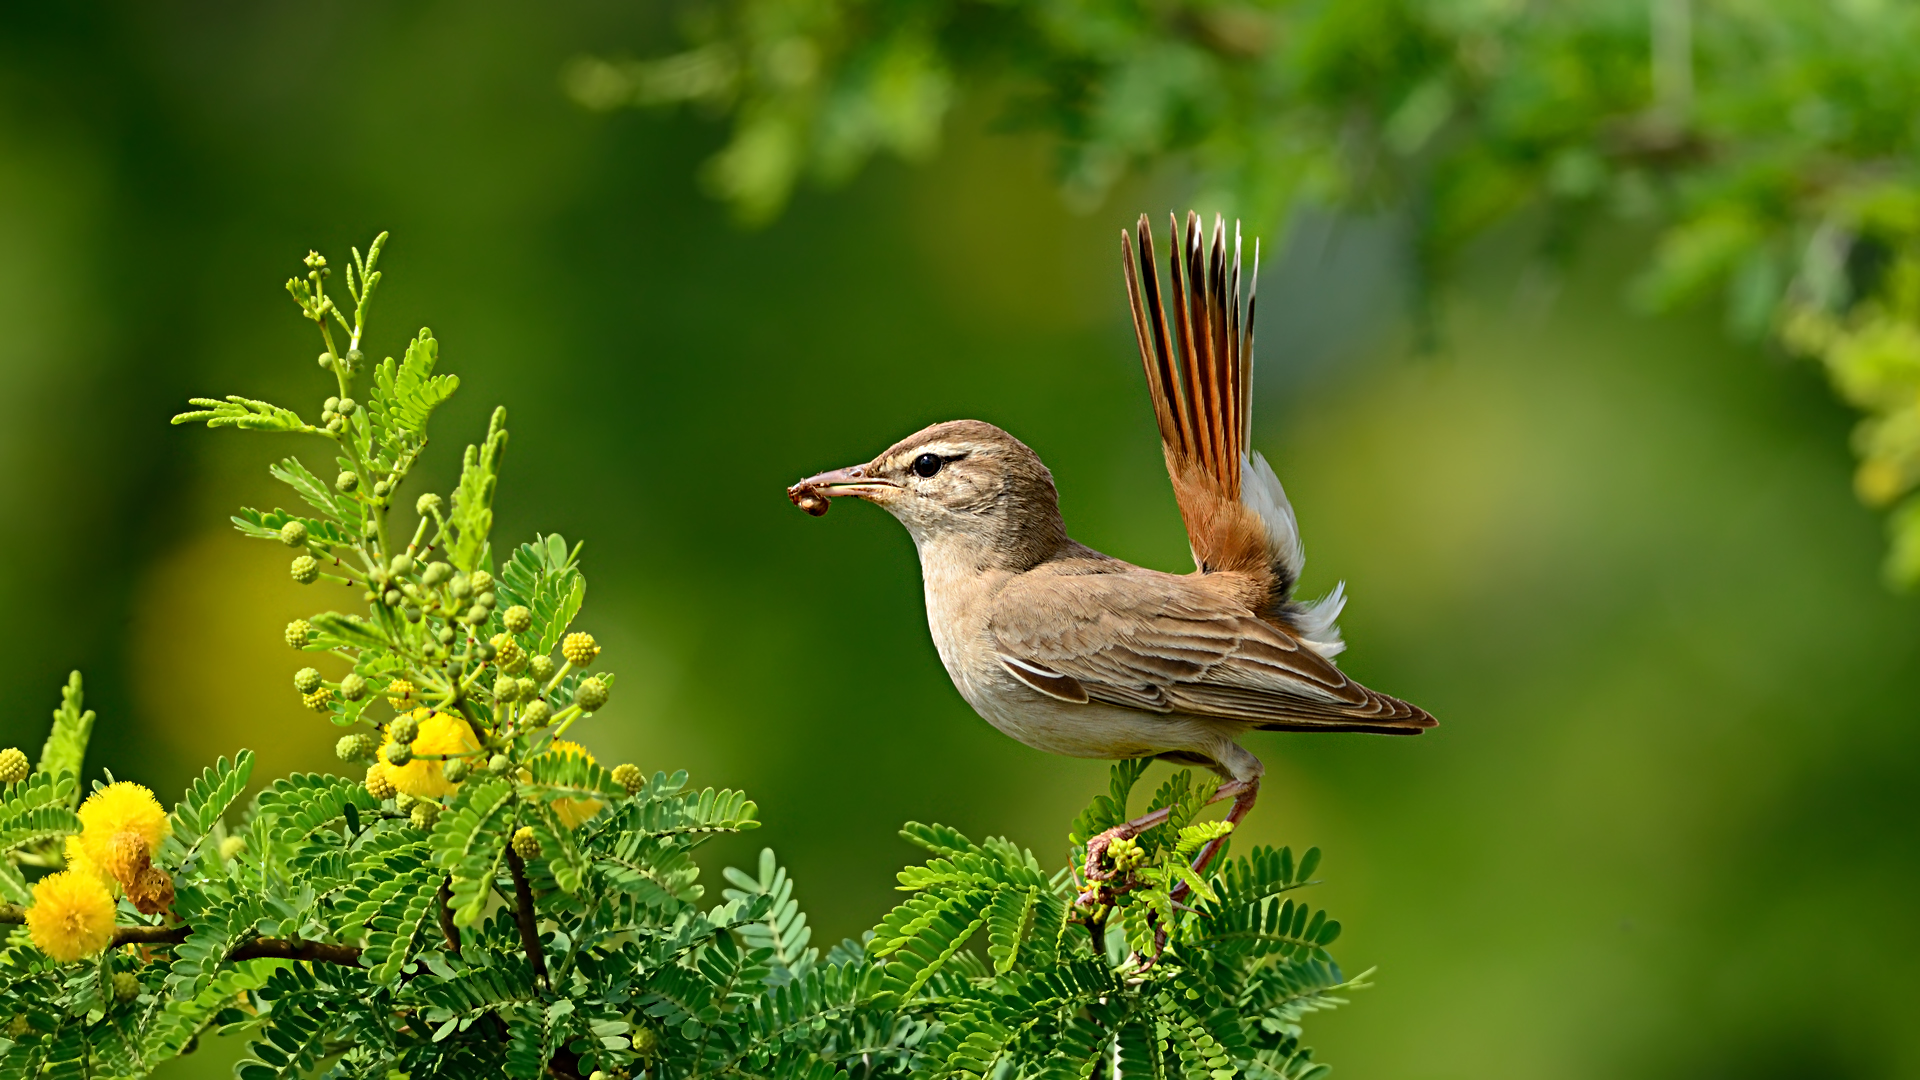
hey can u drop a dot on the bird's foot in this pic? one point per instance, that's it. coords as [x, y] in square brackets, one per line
[1243, 793]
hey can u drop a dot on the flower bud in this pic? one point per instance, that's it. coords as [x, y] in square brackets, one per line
[400, 694]
[358, 746]
[405, 801]
[445, 635]
[404, 729]
[482, 582]
[410, 612]
[517, 618]
[354, 356]
[460, 586]
[536, 714]
[399, 754]
[381, 488]
[306, 680]
[346, 406]
[427, 505]
[528, 688]
[379, 784]
[457, 770]
[506, 690]
[425, 813]
[306, 569]
[485, 600]
[335, 424]
[231, 847]
[294, 534]
[498, 764]
[541, 668]
[353, 687]
[525, 844]
[346, 482]
[579, 649]
[482, 651]
[318, 700]
[126, 986]
[401, 564]
[436, 572]
[13, 765]
[511, 656]
[333, 403]
[299, 632]
[326, 360]
[628, 776]
[476, 615]
[591, 694]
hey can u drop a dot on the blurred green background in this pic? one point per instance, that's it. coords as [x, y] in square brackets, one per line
[1660, 832]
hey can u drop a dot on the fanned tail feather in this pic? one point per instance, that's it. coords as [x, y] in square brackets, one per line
[1200, 376]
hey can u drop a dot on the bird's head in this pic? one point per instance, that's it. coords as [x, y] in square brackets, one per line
[966, 486]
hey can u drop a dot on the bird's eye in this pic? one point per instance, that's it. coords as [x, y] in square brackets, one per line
[926, 465]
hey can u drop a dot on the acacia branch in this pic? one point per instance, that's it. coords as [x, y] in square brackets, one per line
[523, 915]
[256, 949]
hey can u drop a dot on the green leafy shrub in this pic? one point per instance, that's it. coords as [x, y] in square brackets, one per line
[489, 900]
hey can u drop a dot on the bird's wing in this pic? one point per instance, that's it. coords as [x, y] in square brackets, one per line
[1200, 376]
[1170, 644]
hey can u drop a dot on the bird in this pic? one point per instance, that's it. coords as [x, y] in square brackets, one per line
[1076, 652]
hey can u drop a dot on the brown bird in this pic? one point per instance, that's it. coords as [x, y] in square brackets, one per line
[1079, 653]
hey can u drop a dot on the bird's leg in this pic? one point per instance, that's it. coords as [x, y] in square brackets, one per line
[1243, 793]
[1127, 830]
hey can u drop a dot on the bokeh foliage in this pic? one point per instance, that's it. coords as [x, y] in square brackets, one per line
[1769, 149]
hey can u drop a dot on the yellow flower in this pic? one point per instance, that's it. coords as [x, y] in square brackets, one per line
[572, 812]
[71, 916]
[440, 733]
[122, 826]
[78, 862]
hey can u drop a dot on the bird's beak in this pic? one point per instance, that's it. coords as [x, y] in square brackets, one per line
[812, 493]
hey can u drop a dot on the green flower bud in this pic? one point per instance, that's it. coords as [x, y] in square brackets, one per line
[294, 534]
[335, 424]
[326, 360]
[306, 569]
[381, 489]
[358, 746]
[315, 260]
[399, 753]
[485, 600]
[591, 694]
[410, 612]
[333, 403]
[299, 633]
[404, 802]
[629, 777]
[435, 573]
[393, 597]
[404, 729]
[511, 656]
[482, 651]
[318, 700]
[353, 687]
[306, 680]
[354, 356]
[579, 649]
[528, 688]
[476, 615]
[446, 634]
[506, 690]
[456, 667]
[13, 765]
[425, 813]
[346, 482]
[231, 847]
[541, 668]
[498, 764]
[460, 586]
[517, 618]
[482, 582]
[401, 564]
[525, 844]
[537, 713]
[426, 506]
[346, 406]
[457, 770]
[126, 986]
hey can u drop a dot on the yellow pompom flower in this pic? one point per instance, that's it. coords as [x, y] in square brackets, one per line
[71, 916]
[122, 826]
[572, 812]
[425, 776]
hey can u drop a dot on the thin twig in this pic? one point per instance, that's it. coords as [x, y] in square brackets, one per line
[523, 915]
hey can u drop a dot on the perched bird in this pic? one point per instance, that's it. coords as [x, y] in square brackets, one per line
[1075, 652]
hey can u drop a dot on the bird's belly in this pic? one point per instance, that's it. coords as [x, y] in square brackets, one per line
[1093, 730]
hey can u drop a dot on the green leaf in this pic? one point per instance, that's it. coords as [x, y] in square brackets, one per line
[1007, 921]
[308, 486]
[332, 629]
[469, 840]
[40, 823]
[783, 931]
[544, 578]
[266, 525]
[205, 801]
[243, 413]
[472, 512]
[404, 397]
[65, 750]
